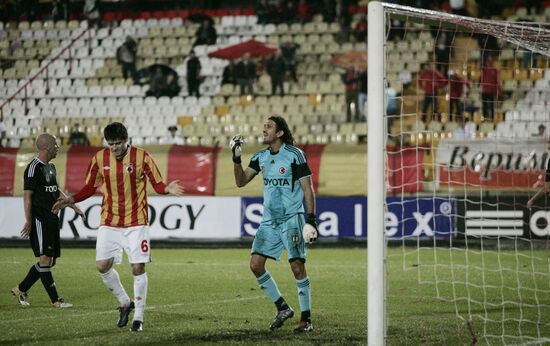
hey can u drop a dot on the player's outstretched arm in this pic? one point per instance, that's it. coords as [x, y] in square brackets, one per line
[76, 209]
[61, 203]
[174, 188]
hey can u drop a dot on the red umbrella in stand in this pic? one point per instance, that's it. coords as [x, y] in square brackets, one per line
[255, 48]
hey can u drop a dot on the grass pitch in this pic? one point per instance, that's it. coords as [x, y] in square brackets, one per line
[206, 296]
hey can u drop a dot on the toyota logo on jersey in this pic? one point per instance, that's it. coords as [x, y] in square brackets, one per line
[282, 170]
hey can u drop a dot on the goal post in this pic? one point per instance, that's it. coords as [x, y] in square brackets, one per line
[457, 205]
[376, 180]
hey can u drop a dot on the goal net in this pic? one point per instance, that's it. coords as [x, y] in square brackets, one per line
[460, 149]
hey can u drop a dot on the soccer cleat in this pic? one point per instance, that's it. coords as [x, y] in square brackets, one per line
[281, 317]
[62, 304]
[124, 314]
[137, 326]
[20, 296]
[304, 326]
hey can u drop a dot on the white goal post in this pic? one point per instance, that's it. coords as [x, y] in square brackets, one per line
[533, 37]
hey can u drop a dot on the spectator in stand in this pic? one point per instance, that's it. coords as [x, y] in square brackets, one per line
[193, 75]
[541, 131]
[126, 56]
[350, 78]
[156, 83]
[92, 12]
[289, 12]
[173, 138]
[360, 31]
[470, 105]
[458, 7]
[78, 137]
[276, 70]
[362, 96]
[25, 7]
[289, 55]
[60, 10]
[3, 132]
[456, 93]
[206, 34]
[328, 11]
[170, 87]
[489, 47]
[443, 50]
[246, 75]
[303, 11]
[262, 11]
[491, 89]
[229, 75]
[431, 80]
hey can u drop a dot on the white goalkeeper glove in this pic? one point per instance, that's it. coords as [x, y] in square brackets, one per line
[310, 232]
[235, 144]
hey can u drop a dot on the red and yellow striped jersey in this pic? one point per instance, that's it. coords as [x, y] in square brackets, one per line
[124, 186]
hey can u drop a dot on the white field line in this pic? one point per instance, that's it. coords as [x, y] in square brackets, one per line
[151, 307]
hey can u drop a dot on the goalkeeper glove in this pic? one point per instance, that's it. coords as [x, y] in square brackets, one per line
[310, 232]
[235, 144]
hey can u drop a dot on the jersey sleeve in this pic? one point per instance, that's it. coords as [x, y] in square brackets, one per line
[153, 174]
[255, 163]
[547, 171]
[300, 168]
[30, 177]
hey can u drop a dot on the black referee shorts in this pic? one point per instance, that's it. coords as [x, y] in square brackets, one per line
[45, 238]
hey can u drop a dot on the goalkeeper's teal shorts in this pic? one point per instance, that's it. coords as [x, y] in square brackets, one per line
[274, 236]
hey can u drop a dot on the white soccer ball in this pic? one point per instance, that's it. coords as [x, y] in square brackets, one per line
[309, 233]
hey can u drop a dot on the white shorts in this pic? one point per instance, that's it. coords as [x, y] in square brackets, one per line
[111, 241]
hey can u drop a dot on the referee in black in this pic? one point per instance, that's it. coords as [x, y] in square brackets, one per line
[41, 226]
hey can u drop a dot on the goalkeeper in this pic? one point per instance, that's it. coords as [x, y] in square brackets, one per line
[287, 181]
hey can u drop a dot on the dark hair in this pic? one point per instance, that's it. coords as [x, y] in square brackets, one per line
[115, 131]
[283, 126]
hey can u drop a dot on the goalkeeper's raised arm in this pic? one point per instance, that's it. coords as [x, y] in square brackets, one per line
[242, 177]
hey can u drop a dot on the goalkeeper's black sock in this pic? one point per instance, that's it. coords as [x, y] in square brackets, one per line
[47, 280]
[281, 304]
[30, 279]
[306, 316]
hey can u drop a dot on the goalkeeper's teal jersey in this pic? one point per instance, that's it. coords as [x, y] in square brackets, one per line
[282, 171]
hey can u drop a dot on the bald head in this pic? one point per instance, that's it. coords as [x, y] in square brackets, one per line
[47, 147]
[45, 141]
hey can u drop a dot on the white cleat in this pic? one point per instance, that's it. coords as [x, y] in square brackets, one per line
[62, 304]
[20, 296]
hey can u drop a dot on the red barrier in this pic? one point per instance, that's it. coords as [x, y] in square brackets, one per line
[313, 154]
[195, 167]
[405, 170]
[78, 159]
[7, 170]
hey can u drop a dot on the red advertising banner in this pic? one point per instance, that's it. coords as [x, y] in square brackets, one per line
[405, 169]
[491, 163]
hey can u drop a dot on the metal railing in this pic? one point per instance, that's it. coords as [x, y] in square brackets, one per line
[45, 70]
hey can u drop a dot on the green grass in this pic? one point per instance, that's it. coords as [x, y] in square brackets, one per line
[205, 296]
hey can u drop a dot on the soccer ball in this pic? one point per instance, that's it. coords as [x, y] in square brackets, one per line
[309, 233]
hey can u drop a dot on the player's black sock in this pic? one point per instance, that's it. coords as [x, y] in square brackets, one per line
[306, 316]
[281, 304]
[30, 279]
[47, 280]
